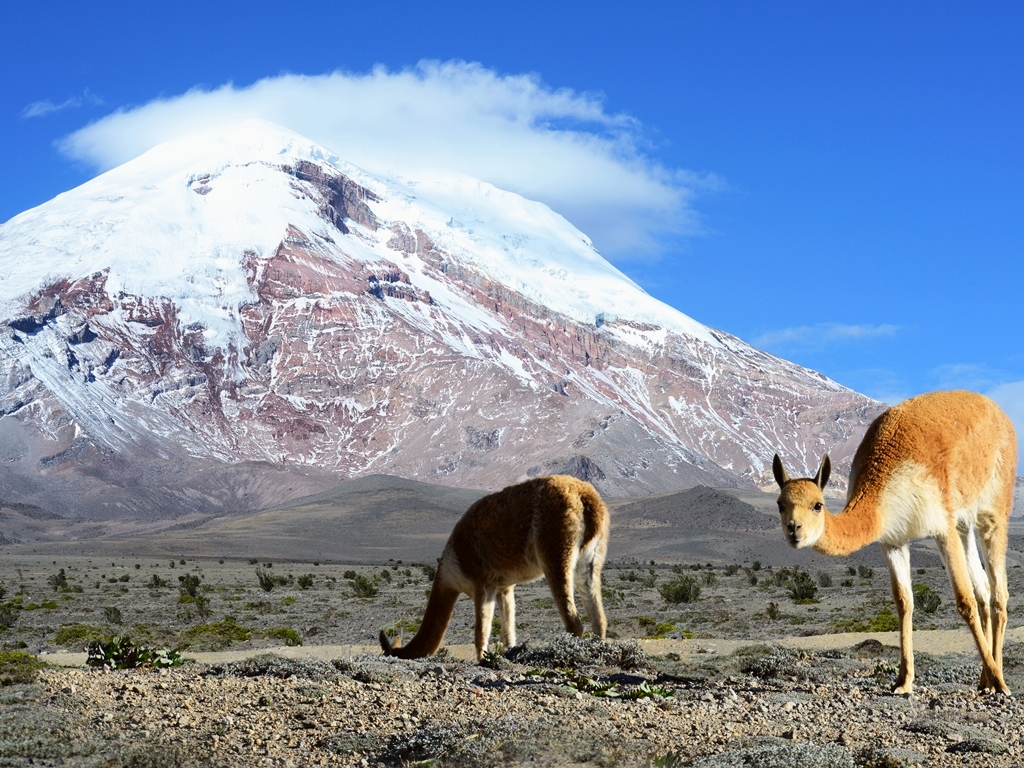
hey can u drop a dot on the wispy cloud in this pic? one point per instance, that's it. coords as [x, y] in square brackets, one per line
[822, 334]
[558, 146]
[47, 107]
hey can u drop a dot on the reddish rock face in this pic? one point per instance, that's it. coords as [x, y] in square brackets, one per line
[345, 367]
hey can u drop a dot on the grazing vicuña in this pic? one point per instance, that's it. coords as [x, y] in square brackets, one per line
[555, 526]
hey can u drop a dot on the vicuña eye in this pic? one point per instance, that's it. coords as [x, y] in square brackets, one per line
[817, 506]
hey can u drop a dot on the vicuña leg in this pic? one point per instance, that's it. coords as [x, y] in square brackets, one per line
[967, 605]
[483, 603]
[507, 602]
[898, 560]
[559, 576]
[993, 549]
[588, 581]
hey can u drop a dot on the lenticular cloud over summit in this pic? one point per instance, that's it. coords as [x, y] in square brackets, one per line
[556, 146]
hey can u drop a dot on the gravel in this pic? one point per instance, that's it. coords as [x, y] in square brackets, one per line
[573, 703]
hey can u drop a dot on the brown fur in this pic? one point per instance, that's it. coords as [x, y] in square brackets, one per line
[941, 464]
[555, 526]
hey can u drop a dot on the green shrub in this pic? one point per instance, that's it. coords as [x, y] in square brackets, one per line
[385, 575]
[883, 621]
[773, 611]
[802, 587]
[710, 579]
[112, 615]
[824, 579]
[846, 583]
[751, 576]
[124, 577]
[220, 632]
[350, 574]
[18, 667]
[732, 569]
[121, 653]
[306, 581]
[189, 584]
[8, 615]
[287, 634]
[156, 582]
[58, 581]
[266, 580]
[363, 587]
[682, 589]
[429, 571]
[926, 599]
[77, 634]
[864, 572]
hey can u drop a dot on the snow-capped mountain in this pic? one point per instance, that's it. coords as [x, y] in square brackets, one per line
[247, 299]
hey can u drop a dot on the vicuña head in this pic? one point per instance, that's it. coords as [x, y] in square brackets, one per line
[555, 526]
[942, 465]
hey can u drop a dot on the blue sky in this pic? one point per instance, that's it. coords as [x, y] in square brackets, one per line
[841, 184]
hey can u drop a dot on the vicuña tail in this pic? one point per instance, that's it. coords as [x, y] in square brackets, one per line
[440, 606]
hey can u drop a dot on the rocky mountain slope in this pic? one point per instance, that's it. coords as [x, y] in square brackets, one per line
[239, 318]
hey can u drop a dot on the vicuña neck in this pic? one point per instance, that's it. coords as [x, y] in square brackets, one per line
[858, 525]
[440, 606]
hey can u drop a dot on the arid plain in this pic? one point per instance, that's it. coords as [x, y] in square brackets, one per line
[701, 579]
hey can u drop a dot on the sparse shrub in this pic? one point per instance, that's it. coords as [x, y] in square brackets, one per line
[926, 599]
[682, 589]
[189, 584]
[846, 583]
[3, 591]
[58, 580]
[751, 576]
[650, 579]
[306, 581]
[731, 569]
[202, 605]
[864, 572]
[920, 571]
[253, 560]
[316, 562]
[182, 561]
[756, 566]
[350, 574]
[802, 587]
[156, 582]
[8, 615]
[138, 566]
[883, 621]
[18, 668]
[287, 634]
[851, 571]
[710, 579]
[76, 634]
[266, 580]
[363, 587]
[221, 633]
[385, 575]
[172, 564]
[429, 571]
[773, 611]
[824, 579]
[112, 615]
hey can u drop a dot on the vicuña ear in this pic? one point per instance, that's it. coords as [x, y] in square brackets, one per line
[821, 479]
[780, 471]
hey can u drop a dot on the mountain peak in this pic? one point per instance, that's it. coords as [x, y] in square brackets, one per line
[245, 295]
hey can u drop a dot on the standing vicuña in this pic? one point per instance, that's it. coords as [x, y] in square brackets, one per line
[942, 465]
[554, 526]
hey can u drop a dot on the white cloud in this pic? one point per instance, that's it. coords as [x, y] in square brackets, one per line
[554, 145]
[816, 336]
[46, 107]
[1010, 397]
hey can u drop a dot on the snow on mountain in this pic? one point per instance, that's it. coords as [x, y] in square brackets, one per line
[247, 296]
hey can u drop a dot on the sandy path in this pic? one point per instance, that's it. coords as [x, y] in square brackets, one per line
[934, 641]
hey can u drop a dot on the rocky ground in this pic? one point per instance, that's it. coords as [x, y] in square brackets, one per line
[569, 702]
[559, 702]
